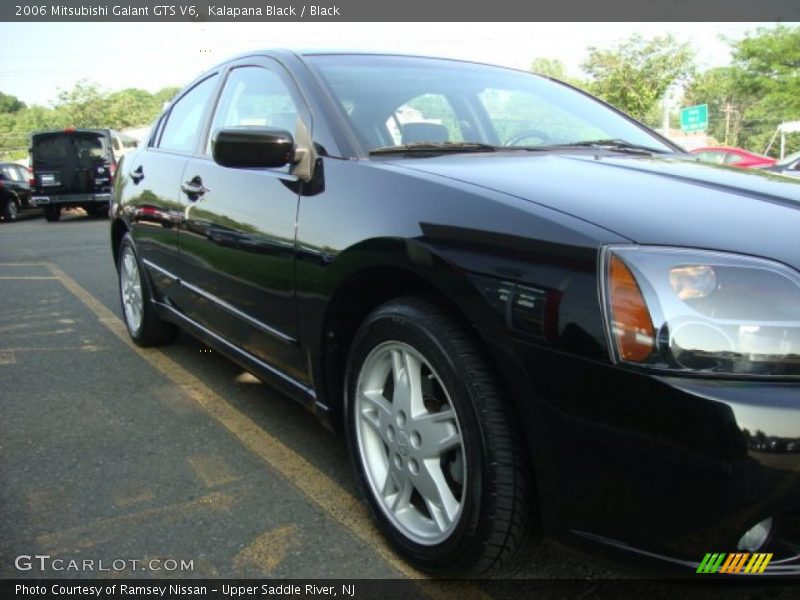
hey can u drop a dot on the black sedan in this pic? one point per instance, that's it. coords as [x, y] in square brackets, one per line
[15, 191]
[528, 312]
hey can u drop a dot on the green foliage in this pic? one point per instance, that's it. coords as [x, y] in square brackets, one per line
[166, 94]
[727, 103]
[635, 75]
[522, 118]
[85, 105]
[761, 88]
[553, 67]
[10, 104]
[549, 67]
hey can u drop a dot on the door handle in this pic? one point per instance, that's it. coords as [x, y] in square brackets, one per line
[194, 188]
[137, 174]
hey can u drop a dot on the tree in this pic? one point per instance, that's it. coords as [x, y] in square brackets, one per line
[636, 74]
[549, 67]
[553, 67]
[10, 104]
[131, 107]
[166, 95]
[757, 92]
[84, 105]
[727, 102]
[768, 71]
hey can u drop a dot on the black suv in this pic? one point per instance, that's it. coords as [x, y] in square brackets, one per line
[72, 168]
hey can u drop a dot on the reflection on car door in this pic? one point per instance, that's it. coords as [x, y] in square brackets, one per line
[153, 183]
[238, 232]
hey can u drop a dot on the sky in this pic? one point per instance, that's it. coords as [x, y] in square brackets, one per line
[39, 59]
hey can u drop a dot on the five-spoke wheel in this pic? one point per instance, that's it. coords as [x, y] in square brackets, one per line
[435, 446]
[144, 325]
[410, 442]
[130, 288]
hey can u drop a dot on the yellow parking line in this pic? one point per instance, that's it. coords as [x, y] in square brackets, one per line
[84, 348]
[338, 503]
[103, 530]
[212, 470]
[45, 502]
[267, 551]
[133, 493]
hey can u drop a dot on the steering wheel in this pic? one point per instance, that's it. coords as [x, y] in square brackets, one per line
[528, 133]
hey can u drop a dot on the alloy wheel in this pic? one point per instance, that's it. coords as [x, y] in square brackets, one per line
[131, 289]
[410, 443]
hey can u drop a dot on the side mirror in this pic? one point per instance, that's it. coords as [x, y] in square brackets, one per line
[252, 147]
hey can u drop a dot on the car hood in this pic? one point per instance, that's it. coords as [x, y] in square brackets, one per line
[670, 200]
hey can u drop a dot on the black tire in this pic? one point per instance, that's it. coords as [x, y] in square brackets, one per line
[52, 213]
[150, 330]
[11, 210]
[495, 505]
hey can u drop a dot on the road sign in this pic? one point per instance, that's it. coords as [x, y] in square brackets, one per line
[694, 118]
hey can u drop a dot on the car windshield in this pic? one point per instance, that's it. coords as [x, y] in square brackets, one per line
[411, 104]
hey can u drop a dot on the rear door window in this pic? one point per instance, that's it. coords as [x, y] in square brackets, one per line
[23, 174]
[12, 173]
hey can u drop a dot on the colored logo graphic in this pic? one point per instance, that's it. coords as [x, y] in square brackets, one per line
[742, 563]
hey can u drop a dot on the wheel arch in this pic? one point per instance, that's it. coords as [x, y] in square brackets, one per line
[378, 271]
[118, 229]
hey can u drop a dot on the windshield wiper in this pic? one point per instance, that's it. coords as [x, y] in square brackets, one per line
[615, 144]
[435, 147]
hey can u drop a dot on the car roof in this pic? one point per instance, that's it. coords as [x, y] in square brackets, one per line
[309, 52]
[72, 130]
[718, 149]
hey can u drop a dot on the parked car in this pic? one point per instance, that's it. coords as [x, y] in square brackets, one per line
[528, 312]
[15, 193]
[72, 168]
[790, 165]
[734, 157]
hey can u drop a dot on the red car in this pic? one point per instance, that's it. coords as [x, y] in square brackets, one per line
[734, 157]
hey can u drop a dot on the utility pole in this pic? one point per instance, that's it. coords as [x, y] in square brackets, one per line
[728, 110]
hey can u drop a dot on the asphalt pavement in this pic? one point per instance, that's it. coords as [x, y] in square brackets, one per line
[168, 462]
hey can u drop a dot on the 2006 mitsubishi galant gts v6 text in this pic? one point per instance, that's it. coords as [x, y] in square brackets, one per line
[528, 312]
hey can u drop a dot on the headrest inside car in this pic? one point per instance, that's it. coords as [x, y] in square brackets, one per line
[413, 133]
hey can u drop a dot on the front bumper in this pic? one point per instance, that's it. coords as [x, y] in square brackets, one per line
[667, 466]
[71, 199]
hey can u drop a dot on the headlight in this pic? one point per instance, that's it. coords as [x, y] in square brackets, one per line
[702, 312]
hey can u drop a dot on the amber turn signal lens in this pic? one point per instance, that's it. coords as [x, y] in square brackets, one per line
[631, 324]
